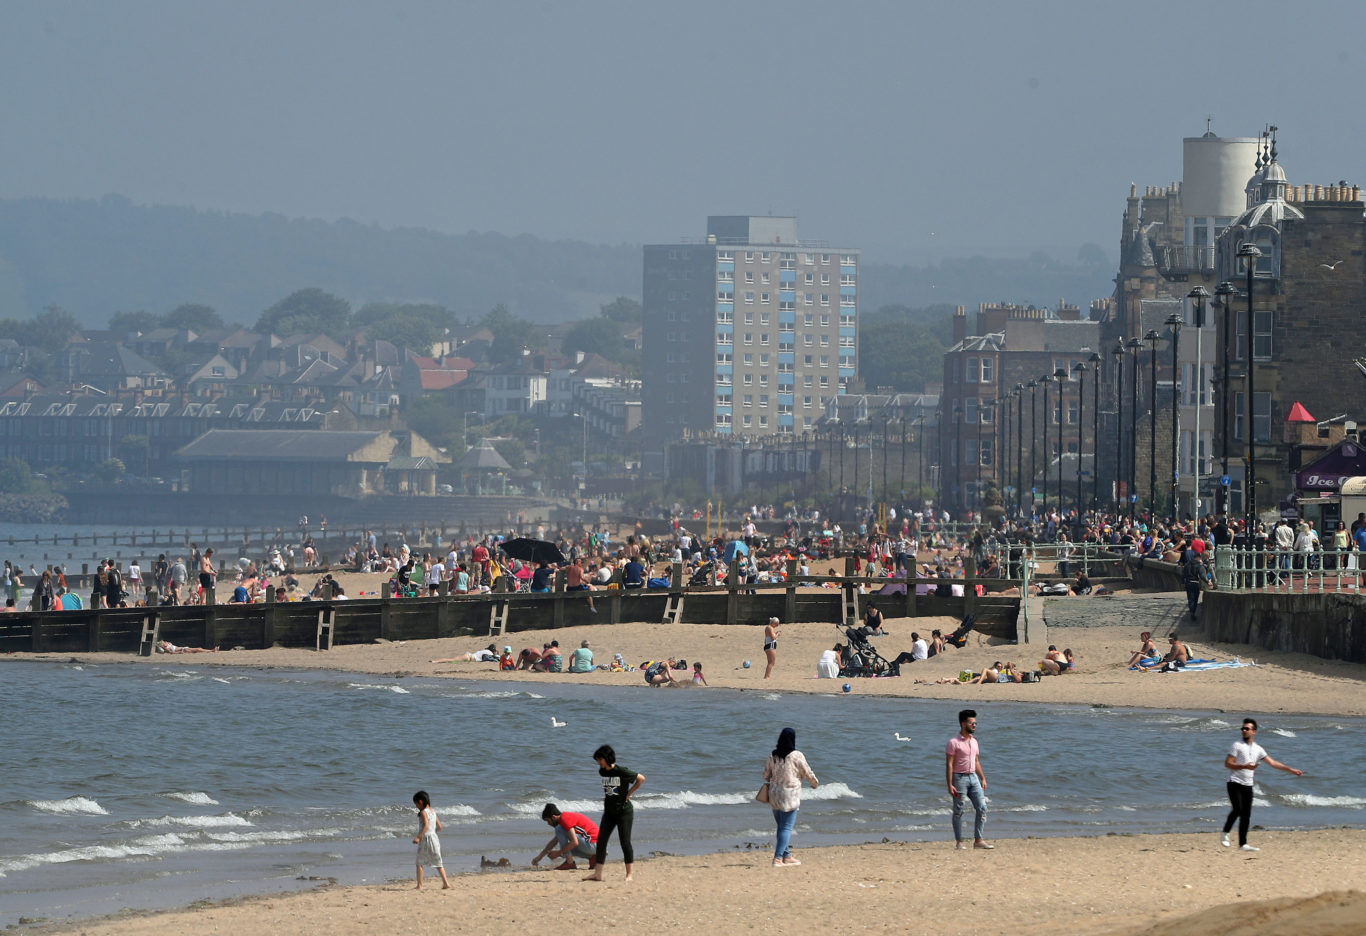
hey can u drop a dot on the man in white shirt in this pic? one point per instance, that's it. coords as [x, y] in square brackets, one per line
[435, 573]
[1243, 757]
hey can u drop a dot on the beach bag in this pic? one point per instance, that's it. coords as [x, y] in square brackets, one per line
[762, 795]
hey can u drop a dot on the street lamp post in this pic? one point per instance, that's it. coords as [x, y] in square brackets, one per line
[1080, 370]
[1120, 462]
[1249, 254]
[1135, 345]
[1046, 379]
[1225, 292]
[920, 459]
[1175, 321]
[1200, 294]
[1060, 375]
[1019, 448]
[1152, 338]
[1033, 435]
[1095, 430]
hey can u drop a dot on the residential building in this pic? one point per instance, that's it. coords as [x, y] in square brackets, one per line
[748, 332]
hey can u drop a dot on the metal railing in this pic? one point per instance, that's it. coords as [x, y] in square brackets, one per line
[1185, 258]
[1287, 571]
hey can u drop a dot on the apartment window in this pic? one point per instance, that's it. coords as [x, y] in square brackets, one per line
[725, 317]
[763, 422]
[957, 370]
[723, 380]
[749, 256]
[825, 279]
[825, 299]
[847, 301]
[749, 297]
[808, 299]
[846, 321]
[1071, 412]
[808, 320]
[671, 316]
[725, 255]
[763, 256]
[1261, 335]
[825, 258]
[724, 337]
[763, 401]
[806, 361]
[763, 298]
[749, 380]
[749, 360]
[846, 341]
[763, 380]
[784, 409]
[749, 276]
[787, 261]
[763, 360]
[988, 370]
[725, 294]
[749, 338]
[825, 341]
[723, 357]
[723, 399]
[725, 276]
[787, 327]
[764, 278]
[806, 341]
[806, 381]
[825, 321]
[787, 305]
[848, 259]
[1261, 416]
[810, 279]
[748, 400]
[747, 420]
[749, 318]
[825, 383]
[763, 338]
[984, 452]
[763, 318]
[784, 367]
[825, 361]
[970, 409]
[722, 421]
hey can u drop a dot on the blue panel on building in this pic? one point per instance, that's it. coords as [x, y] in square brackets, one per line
[726, 307]
[847, 270]
[784, 398]
[723, 410]
[846, 331]
[725, 265]
[787, 276]
[786, 295]
[726, 369]
[848, 290]
[723, 430]
[784, 419]
[787, 357]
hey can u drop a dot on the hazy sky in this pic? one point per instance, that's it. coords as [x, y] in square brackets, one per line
[914, 130]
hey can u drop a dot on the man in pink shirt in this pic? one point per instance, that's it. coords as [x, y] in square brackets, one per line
[966, 781]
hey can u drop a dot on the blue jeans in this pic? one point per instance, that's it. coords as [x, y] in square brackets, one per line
[969, 788]
[785, 820]
[585, 848]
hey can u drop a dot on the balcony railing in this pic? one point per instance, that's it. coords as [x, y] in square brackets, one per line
[1185, 259]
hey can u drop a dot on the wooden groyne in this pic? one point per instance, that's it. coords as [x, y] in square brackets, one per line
[365, 620]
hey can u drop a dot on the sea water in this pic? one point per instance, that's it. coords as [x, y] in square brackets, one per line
[152, 787]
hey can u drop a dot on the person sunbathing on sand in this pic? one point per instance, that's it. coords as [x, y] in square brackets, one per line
[165, 646]
[1147, 651]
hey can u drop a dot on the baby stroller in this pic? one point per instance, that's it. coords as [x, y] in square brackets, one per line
[959, 638]
[860, 658]
[703, 575]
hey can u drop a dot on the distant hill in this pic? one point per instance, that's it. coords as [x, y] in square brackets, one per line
[94, 258]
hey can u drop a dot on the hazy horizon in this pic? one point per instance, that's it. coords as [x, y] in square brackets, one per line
[917, 134]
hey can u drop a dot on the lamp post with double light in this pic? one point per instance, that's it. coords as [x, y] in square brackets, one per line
[1033, 437]
[1152, 337]
[1046, 379]
[1121, 463]
[1019, 448]
[1095, 430]
[1249, 254]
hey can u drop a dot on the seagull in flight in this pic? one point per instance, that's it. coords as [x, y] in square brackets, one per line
[1330, 266]
[556, 723]
[897, 735]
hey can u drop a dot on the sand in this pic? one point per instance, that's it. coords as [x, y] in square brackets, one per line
[1160, 884]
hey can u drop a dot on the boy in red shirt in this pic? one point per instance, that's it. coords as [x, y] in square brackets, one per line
[575, 834]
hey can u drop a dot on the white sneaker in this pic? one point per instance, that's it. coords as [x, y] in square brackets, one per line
[1223, 840]
[1249, 848]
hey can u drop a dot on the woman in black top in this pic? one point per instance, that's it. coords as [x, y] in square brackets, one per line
[618, 785]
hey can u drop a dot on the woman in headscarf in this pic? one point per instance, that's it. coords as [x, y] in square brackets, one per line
[783, 772]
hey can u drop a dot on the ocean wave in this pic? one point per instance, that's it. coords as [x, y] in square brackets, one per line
[489, 694]
[250, 838]
[1284, 732]
[192, 822]
[1309, 799]
[72, 804]
[1026, 807]
[147, 846]
[386, 687]
[198, 799]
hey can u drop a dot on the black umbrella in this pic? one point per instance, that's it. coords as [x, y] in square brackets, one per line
[533, 550]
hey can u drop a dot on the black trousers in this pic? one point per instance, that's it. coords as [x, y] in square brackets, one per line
[1241, 798]
[622, 824]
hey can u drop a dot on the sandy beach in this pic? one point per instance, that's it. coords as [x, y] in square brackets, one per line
[1171, 885]
[1167, 884]
[1280, 682]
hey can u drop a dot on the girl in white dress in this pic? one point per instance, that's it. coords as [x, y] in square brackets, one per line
[428, 845]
